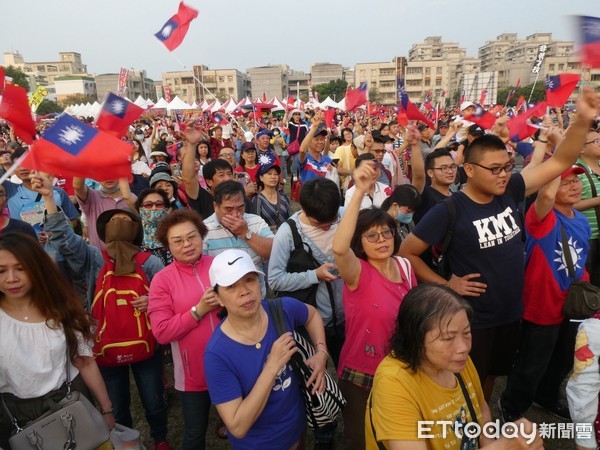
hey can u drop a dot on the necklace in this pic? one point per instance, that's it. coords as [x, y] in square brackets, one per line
[257, 344]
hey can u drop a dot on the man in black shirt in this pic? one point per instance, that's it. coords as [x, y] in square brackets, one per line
[441, 170]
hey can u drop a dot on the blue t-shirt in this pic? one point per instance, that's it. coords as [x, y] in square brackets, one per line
[311, 168]
[29, 207]
[232, 370]
[487, 240]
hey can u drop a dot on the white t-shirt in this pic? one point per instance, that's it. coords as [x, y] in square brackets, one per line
[33, 357]
[379, 196]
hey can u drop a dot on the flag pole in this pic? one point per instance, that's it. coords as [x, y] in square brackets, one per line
[12, 168]
[533, 88]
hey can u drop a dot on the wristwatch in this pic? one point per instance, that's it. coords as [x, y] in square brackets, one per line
[248, 235]
[195, 313]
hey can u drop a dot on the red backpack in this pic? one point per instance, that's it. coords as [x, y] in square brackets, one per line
[124, 335]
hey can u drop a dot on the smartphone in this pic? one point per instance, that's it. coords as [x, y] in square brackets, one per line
[334, 271]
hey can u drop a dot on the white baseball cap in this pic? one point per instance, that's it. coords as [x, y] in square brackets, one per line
[229, 266]
[465, 105]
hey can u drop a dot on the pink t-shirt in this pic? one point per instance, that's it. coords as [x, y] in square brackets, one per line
[371, 312]
[96, 204]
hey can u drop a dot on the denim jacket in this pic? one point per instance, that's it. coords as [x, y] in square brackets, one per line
[83, 260]
[281, 280]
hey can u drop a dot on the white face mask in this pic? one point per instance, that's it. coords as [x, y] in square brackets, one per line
[139, 137]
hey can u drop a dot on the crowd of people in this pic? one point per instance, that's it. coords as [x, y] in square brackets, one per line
[421, 263]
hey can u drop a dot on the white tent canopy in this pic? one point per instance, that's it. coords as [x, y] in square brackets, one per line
[141, 102]
[328, 102]
[161, 104]
[204, 105]
[177, 103]
[217, 105]
[149, 102]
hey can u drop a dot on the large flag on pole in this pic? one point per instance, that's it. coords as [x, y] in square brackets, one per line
[14, 108]
[512, 92]
[590, 40]
[356, 97]
[72, 148]
[117, 114]
[174, 30]
[560, 87]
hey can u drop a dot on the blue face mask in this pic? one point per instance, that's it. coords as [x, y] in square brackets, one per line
[404, 218]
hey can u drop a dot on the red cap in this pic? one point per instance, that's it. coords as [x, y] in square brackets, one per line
[577, 170]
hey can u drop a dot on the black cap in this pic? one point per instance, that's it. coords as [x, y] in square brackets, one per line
[107, 215]
[476, 130]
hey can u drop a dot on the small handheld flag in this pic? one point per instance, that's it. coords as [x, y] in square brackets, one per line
[72, 148]
[117, 114]
[174, 30]
[560, 87]
[356, 97]
[14, 107]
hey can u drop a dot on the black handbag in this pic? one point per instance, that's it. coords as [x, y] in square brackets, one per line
[323, 408]
[72, 423]
[583, 298]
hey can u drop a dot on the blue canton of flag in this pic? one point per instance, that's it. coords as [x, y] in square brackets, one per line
[117, 105]
[552, 82]
[70, 134]
[167, 29]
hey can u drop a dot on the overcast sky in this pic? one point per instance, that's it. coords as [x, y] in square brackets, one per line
[241, 33]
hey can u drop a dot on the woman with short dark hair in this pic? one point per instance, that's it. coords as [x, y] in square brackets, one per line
[182, 310]
[428, 379]
[375, 282]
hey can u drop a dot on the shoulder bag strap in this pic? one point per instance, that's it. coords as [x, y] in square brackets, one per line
[467, 397]
[380, 446]
[451, 224]
[295, 234]
[277, 315]
[405, 270]
[594, 191]
[567, 252]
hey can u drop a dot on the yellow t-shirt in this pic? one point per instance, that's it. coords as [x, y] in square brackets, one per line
[347, 161]
[401, 398]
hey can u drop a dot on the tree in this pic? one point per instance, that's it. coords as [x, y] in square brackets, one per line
[374, 95]
[48, 107]
[76, 99]
[539, 93]
[336, 89]
[18, 76]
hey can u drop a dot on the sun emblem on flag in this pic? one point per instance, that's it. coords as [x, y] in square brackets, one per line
[550, 81]
[574, 250]
[167, 30]
[264, 160]
[71, 135]
[117, 107]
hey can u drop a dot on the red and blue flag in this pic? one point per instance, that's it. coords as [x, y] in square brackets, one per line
[72, 148]
[560, 87]
[412, 112]
[481, 117]
[356, 97]
[590, 40]
[174, 30]
[14, 108]
[117, 114]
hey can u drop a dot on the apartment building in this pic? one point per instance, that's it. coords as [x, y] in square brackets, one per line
[381, 78]
[271, 81]
[44, 73]
[323, 73]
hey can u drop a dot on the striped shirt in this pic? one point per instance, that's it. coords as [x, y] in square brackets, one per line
[220, 238]
[586, 194]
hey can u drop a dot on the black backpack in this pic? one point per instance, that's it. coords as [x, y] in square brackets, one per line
[301, 260]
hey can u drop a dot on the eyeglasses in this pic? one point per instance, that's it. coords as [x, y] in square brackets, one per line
[446, 169]
[373, 236]
[226, 155]
[322, 226]
[569, 183]
[149, 204]
[497, 170]
[594, 141]
[180, 242]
